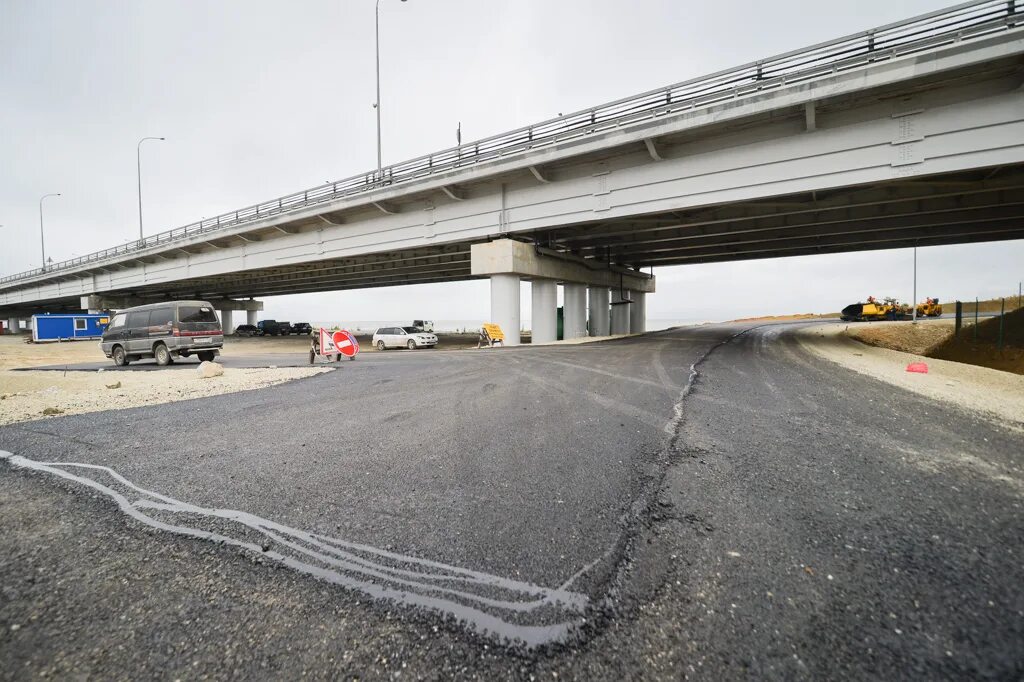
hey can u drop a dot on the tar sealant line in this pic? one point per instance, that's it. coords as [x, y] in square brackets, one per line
[333, 545]
[562, 615]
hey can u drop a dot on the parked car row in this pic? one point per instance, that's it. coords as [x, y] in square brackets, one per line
[273, 328]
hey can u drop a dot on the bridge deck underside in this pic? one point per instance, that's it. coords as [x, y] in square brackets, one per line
[976, 206]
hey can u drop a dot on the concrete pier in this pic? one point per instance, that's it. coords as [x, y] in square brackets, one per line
[620, 312]
[250, 317]
[574, 319]
[225, 321]
[599, 317]
[505, 306]
[545, 310]
[638, 312]
[505, 261]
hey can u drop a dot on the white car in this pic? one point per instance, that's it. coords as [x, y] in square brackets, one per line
[403, 337]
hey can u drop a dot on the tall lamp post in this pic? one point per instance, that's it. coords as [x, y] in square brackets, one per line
[377, 104]
[138, 165]
[42, 240]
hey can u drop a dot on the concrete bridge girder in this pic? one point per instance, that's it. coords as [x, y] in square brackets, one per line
[102, 302]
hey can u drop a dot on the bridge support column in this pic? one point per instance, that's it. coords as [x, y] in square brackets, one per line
[505, 261]
[250, 317]
[599, 311]
[638, 312]
[620, 313]
[574, 320]
[505, 305]
[14, 325]
[545, 310]
[225, 321]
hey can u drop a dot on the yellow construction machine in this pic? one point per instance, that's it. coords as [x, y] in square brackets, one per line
[888, 309]
[930, 308]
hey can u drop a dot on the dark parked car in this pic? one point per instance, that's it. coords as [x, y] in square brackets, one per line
[284, 328]
[302, 328]
[268, 328]
[247, 330]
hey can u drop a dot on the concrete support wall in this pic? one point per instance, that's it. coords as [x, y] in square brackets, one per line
[620, 313]
[545, 310]
[638, 312]
[225, 321]
[599, 320]
[505, 306]
[250, 317]
[574, 321]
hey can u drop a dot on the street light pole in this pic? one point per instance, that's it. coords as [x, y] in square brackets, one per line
[138, 165]
[376, 25]
[42, 241]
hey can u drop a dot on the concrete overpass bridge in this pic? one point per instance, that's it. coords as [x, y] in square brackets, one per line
[907, 134]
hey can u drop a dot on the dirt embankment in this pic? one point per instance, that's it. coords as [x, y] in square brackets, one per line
[906, 337]
[936, 339]
[996, 395]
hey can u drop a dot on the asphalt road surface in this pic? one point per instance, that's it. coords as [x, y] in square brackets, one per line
[707, 502]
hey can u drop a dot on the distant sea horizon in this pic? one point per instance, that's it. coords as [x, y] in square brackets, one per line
[653, 324]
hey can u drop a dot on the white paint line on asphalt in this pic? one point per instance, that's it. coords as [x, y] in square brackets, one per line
[488, 604]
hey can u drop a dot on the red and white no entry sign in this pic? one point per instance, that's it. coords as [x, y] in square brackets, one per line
[346, 343]
[337, 343]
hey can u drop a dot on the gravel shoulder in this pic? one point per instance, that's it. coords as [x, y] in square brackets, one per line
[26, 396]
[997, 395]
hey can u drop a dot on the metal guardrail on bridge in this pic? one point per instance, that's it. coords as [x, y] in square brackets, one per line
[954, 24]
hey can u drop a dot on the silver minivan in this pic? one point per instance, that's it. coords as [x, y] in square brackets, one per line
[163, 331]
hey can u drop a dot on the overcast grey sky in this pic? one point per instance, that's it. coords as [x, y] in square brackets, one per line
[259, 98]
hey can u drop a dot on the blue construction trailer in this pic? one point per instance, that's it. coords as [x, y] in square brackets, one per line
[68, 327]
